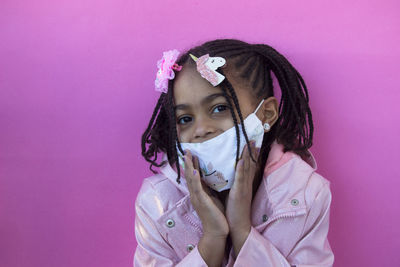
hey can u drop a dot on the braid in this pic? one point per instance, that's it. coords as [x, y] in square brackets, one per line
[234, 120]
[254, 64]
[148, 137]
[236, 101]
[294, 101]
[173, 136]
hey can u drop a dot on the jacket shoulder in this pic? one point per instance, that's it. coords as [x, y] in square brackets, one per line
[156, 195]
[316, 184]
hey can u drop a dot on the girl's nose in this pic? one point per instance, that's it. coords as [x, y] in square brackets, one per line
[203, 130]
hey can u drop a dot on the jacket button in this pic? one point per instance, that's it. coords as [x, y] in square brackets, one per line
[170, 223]
[190, 247]
[265, 218]
[295, 202]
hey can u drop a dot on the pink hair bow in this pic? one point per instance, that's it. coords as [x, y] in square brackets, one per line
[166, 66]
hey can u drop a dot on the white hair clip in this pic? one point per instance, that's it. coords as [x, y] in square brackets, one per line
[207, 67]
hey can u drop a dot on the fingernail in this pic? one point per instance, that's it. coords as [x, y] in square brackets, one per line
[194, 172]
[184, 158]
[184, 152]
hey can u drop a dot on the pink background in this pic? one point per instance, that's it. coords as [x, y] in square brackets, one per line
[76, 93]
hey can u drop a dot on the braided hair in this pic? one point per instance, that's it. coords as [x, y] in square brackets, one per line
[253, 64]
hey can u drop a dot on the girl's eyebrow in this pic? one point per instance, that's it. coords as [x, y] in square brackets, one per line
[203, 101]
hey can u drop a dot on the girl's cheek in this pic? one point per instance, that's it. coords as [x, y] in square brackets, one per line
[178, 132]
[181, 134]
[227, 123]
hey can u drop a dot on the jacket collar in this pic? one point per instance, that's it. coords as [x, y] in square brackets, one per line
[277, 158]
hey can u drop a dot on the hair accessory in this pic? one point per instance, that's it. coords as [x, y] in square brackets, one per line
[165, 72]
[207, 67]
[267, 126]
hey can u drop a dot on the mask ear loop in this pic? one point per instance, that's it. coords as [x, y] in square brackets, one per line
[266, 125]
[259, 105]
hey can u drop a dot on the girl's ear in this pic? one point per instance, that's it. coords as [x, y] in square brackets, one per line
[269, 109]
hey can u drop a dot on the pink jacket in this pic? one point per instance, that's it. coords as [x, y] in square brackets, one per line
[290, 218]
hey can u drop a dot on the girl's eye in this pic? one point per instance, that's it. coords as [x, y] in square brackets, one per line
[220, 108]
[184, 120]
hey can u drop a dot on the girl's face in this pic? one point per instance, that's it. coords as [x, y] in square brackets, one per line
[202, 111]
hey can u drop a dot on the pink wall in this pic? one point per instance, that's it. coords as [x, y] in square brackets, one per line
[76, 92]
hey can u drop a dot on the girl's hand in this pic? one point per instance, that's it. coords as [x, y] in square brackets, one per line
[209, 208]
[238, 202]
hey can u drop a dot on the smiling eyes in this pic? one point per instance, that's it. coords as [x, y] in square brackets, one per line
[218, 109]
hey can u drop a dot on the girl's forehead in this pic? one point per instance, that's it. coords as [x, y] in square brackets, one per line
[189, 86]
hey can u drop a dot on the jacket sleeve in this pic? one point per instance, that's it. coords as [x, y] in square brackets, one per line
[153, 250]
[312, 249]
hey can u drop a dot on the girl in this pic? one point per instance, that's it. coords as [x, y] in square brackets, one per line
[250, 194]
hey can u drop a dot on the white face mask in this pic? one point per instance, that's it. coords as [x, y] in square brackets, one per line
[217, 156]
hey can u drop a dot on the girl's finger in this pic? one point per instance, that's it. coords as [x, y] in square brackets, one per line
[254, 152]
[253, 164]
[196, 163]
[246, 160]
[196, 166]
[191, 174]
[239, 173]
[257, 152]
[188, 168]
[187, 158]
